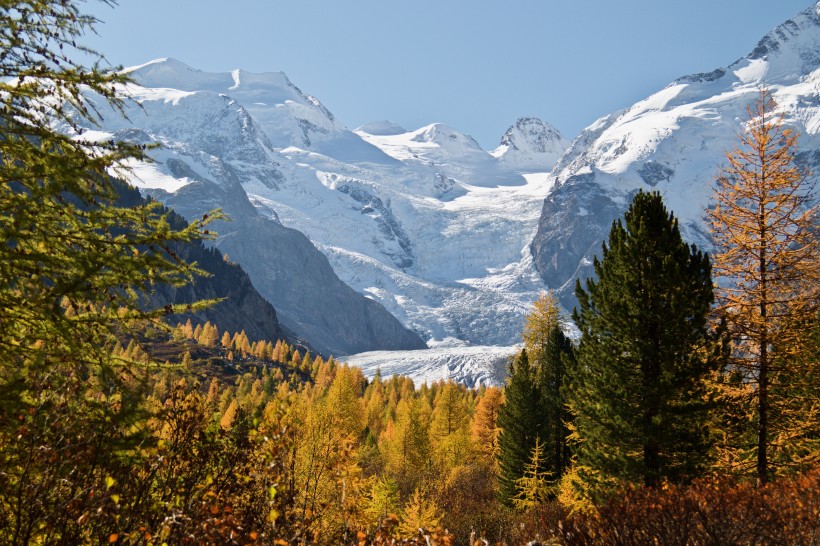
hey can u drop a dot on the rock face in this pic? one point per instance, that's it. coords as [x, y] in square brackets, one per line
[295, 276]
[673, 142]
[242, 308]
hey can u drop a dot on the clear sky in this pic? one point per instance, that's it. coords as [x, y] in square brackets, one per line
[476, 65]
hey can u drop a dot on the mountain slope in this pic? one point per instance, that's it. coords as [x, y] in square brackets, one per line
[294, 276]
[673, 142]
[424, 222]
[242, 308]
[211, 147]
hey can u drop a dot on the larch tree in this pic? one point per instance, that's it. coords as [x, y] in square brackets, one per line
[450, 427]
[532, 487]
[638, 391]
[484, 427]
[74, 265]
[406, 443]
[764, 225]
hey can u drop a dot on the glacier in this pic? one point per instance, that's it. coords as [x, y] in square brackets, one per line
[424, 222]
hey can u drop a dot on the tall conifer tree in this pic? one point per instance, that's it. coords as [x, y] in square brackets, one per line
[638, 394]
[550, 353]
[521, 423]
[74, 262]
[535, 405]
[766, 264]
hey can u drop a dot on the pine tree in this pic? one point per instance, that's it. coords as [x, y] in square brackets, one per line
[520, 422]
[550, 353]
[766, 266]
[638, 390]
[536, 399]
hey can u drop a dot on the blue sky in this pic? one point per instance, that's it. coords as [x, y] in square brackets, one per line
[475, 65]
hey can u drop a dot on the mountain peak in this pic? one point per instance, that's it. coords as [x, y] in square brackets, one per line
[532, 135]
[531, 143]
[445, 136]
[798, 34]
[789, 49]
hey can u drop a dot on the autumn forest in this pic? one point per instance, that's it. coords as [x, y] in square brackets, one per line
[676, 404]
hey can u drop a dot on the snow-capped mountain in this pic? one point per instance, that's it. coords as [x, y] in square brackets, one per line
[423, 222]
[452, 240]
[530, 144]
[674, 142]
[212, 147]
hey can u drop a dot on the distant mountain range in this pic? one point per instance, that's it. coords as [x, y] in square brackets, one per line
[382, 238]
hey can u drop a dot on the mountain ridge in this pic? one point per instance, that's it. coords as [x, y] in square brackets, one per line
[454, 241]
[672, 142]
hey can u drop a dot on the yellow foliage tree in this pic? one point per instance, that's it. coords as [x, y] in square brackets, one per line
[450, 427]
[766, 267]
[420, 513]
[484, 427]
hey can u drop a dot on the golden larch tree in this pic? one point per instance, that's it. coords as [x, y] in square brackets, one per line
[765, 264]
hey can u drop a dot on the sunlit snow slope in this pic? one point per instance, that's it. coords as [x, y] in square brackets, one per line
[424, 222]
[674, 142]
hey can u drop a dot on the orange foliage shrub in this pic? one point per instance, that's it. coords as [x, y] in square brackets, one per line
[711, 511]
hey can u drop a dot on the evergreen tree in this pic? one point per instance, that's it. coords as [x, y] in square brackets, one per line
[766, 266]
[551, 354]
[520, 422]
[536, 392]
[638, 391]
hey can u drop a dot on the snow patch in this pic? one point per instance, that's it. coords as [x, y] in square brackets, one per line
[754, 72]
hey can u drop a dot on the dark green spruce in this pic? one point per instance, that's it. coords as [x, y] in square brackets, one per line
[520, 422]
